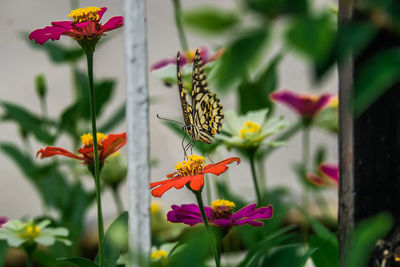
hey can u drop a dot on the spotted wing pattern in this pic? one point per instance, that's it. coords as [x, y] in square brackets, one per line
[186, 108]
[207, 109]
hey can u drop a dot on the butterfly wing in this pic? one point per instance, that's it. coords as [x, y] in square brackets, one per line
[186, 108]
[207, 111]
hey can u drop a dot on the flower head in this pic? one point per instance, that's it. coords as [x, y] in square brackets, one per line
[220, 214]
[306, 105]
[18, 233]
[190, 172]
[158, 254]
[250, 130]
[187, 58]
[3, 220]
[328, 175]
[107, 145]
[85, 26]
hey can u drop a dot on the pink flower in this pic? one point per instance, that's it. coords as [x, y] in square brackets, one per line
[220, 215]
[328, 175]
[86, 25]
[3, 220]
[186, 58]
[306, 105]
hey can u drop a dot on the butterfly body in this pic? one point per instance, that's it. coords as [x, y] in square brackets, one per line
[203, 118]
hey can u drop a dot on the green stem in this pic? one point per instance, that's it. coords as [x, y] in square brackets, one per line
[117, 200]
[29, 260]
[254, 175]
[178, 21]
[208, 190]
[262, 174]
[205, 220]
[89, 57]
[306, 146]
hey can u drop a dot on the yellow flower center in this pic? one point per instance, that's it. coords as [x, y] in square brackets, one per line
[222, 208]
[249, 127]
[310, 98]
[85, 14]
[190, 167]
[159, 254]
[334, 102]
[31, 231]
[87, 139]
[155, 207]
[190, 55]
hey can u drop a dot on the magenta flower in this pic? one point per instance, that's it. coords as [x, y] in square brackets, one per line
[3, 220]
[220, 214]
[306, 105]
[86, 25]
[328, 175]
[186, 58]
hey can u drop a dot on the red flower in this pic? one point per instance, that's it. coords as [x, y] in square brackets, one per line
[86, 25]
[108, 144]
[190, 172]
[306, 105]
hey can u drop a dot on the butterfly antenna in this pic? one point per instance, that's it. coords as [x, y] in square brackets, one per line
[209, 157]
[165, 119]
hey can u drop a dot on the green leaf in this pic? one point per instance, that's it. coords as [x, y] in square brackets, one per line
[377, 75]
[234, 64]
[255, 95]
[116, 118]
[362, 241]
[79, 261]
[274, 8]
[115, 240]
[313, 36]
[3, 252]
[210, 19]
[203, 148]
[23, 162]
[327, 251]
[58, 53]
[27, 121]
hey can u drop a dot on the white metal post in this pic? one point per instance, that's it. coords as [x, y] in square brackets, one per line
[137, 101]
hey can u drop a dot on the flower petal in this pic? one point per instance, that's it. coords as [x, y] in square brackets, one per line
[288, 98]
[50, 32]
[113, 23]
[101, 12]
[197, 182]
[188, 214]
[112, 143]
[249, 215]
[177, 182]
[52, 151]
[330, 170]
[220, 167]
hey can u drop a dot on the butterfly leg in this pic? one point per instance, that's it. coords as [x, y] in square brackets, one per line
[183, 146]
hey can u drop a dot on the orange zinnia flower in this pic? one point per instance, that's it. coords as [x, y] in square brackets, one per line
[190, 172]
[108, 144]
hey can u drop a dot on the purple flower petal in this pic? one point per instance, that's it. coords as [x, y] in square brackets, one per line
[113, 23]
[244, 211]
[101, 12]
[50, 32]
[187, 214]
[330, 170]
[250, 216]
[3, 220]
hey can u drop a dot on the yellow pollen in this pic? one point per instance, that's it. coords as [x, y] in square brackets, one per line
[158, 254]
[85, 14]
[190, 55]
[31, 231]
[87, 139]
[311, 98]
[155, 207]
[249, 127]
[334, 102]
[190, 167]
[222, 203]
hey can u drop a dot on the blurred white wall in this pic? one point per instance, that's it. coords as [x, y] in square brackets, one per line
[20, 64]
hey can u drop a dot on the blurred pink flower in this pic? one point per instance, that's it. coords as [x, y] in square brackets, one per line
[86, 25]
[328, 175]
[187, 58]
[3, 220]
[305, 105]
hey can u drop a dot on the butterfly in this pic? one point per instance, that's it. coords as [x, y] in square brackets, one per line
[203, 118]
